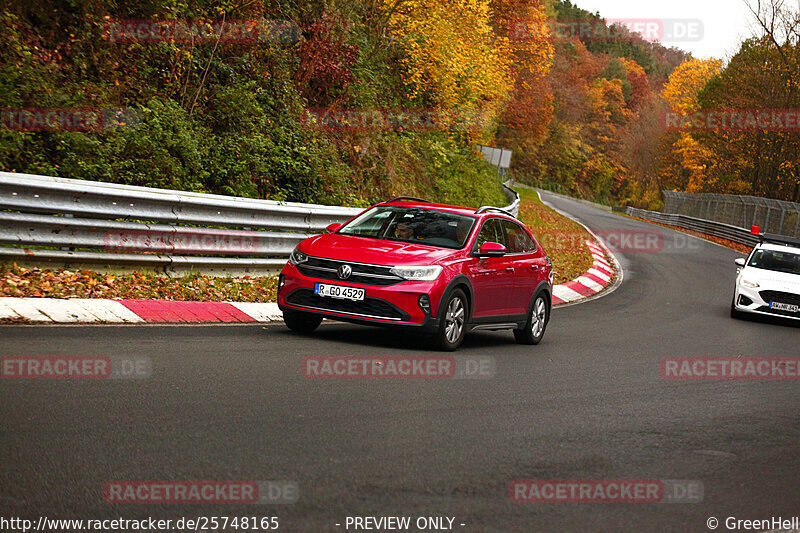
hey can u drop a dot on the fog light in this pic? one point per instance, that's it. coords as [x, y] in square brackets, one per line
[744, 300]
[280, 282]
[425, 304]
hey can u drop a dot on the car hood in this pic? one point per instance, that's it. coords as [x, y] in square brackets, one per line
[373, 251]
[771, 280]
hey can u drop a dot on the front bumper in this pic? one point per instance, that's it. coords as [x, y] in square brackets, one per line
[750, 300]
[392, 306]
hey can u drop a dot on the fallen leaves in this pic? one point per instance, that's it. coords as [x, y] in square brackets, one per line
[17, 281]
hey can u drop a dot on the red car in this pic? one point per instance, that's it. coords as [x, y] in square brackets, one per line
[439, 269]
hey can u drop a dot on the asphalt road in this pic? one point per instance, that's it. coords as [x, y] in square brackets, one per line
[230, 403]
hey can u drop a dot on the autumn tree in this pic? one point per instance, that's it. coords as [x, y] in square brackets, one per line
[688, 164]
[764, 74]
[757, 161]
[602, 89]
[780, 30]
[641, 147]
[524, 122]
[452, 60]
[687, 81]
[637, 79]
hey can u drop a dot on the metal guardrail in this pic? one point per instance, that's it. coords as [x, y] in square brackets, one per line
[74, 223]
[708, 227]
[772, 216]
[90, 199]
[513, 197]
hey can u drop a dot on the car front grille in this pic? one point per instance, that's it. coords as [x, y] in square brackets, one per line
[778, 296]
[317, 267]
[368, 308]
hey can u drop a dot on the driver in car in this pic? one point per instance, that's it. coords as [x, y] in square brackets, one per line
[404, 231]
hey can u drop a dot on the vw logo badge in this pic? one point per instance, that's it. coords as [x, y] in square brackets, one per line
[345, 271]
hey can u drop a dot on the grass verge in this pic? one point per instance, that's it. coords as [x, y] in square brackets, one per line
[562, 238]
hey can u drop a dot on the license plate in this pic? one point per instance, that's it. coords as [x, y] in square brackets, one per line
[785, 307]
[338, 291]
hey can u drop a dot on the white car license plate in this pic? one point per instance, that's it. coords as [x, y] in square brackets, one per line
[338, 291]
[785, 307]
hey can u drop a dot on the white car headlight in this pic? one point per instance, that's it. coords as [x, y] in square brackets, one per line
[297, 257]
[417, 273]
[750, 284]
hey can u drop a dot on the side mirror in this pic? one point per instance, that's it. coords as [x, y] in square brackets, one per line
[333, 227]
[739, 262]
[492, 249]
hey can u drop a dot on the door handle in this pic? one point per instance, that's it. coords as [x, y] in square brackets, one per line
[510, 269]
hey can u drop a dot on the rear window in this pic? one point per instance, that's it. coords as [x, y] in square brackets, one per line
[517, 238]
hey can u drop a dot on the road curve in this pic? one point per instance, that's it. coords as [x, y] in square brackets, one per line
[230, 403]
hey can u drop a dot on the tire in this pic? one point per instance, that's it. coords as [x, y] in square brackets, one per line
[536, 324]
[301, 322]
[452, 322]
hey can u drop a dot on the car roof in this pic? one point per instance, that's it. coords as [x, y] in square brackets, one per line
[459, 210]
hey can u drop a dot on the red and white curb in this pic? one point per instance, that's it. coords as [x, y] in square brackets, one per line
[75, 310]
[78, 310]
[605, 275]
[593, 281]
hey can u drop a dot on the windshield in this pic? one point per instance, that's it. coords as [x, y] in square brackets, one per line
[778, 261]
[412, 224]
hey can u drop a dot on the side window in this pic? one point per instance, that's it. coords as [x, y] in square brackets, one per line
[486, 234]
[500, 232]
[530, 244]
[518, 239]
[490, 232]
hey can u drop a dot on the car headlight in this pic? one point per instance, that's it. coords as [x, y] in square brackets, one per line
[417, 273]
[297, 257]
[750, 284]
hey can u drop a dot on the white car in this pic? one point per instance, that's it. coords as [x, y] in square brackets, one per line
[769, 279]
